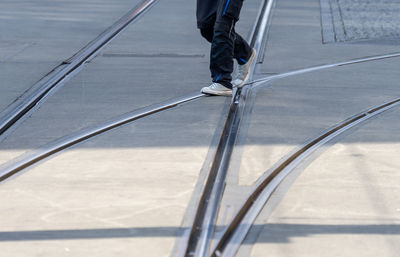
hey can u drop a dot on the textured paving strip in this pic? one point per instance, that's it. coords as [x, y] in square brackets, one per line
[360, 19]
[295, 40]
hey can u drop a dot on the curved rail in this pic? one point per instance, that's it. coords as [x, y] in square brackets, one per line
[137, 114]
[260, 82]
[245, 217]
[40, 90]
[15, 167]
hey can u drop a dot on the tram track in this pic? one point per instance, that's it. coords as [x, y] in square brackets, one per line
[24, 161]
[14, 166]
[222, 159]
[200, 237]
[245, 217]
[18, 164]
[261, 81]
[37, 94]
[238, 110]
[203, 226]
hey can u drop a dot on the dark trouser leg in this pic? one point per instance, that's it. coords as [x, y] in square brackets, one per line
[222, 48]
[207, 33]
[241, 51]
[226, 44]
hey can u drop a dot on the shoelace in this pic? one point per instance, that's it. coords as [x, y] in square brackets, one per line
[214, 86]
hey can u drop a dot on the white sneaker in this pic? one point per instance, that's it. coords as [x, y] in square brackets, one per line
[217, 89]
[243, 74]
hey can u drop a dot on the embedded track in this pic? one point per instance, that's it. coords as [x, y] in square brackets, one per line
[14, 167]
[238, 228]
[198, 243]
[242, 102]
[201, 234]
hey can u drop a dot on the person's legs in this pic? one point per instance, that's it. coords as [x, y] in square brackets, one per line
[207, 33]
[219, 29]
[215, 89]
[243, 51]
[206, 12]
[222, 48]
[227, 44]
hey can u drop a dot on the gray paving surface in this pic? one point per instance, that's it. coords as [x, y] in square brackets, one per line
[129, 190]
[345, 203]
[340, 203]
[132, 82]
[36, 36]
[290, 111]
[287, 114]
[120, 75]
[119, 194]
[295, 40]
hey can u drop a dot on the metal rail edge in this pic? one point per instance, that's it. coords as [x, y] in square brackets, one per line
[40, 90]
[16, 166]
[200, 236]
[259, 82]
[240, 225]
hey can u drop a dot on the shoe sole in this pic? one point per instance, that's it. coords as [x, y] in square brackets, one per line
[218, 93]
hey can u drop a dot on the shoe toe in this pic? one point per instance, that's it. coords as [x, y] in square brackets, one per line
[206, 90]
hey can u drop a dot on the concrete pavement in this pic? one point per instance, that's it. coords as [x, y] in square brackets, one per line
[295, 40]
[345, 203]
[340, 203]
[36, 36]
[130, 191]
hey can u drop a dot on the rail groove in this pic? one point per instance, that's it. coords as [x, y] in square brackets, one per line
[27, 160]
[203, 227]
[237, 230]
[199, 240]
[261, 81]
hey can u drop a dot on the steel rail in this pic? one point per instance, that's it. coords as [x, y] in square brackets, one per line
[199, 240]
[257, 35]
[253, 84]
[240, 225]
[259, 30]
[261, 81]
[41, 89]
[7, 170]
[15, 167]
[204, 223]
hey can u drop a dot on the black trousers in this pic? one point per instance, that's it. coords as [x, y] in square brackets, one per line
[216, 20]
